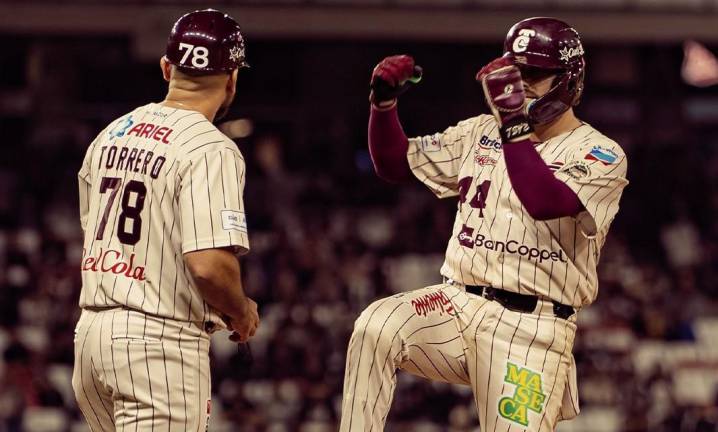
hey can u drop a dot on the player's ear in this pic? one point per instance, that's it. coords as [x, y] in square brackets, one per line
[232, 81]
[166, 69]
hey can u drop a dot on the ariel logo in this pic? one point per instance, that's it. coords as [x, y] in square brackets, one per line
[522, 41]
[120, 128]
[528, 395]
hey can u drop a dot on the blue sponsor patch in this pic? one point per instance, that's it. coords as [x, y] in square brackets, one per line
[121, 127]
[603, 155]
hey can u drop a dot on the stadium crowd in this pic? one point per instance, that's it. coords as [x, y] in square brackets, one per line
[328, 238]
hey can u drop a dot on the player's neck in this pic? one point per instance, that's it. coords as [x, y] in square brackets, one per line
[565, 123]
[205, 104]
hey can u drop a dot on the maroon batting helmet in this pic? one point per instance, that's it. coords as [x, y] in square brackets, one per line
[206, 42]
[553, 46]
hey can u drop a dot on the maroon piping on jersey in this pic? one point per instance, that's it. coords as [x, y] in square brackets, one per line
[388, 145]
[544, 196]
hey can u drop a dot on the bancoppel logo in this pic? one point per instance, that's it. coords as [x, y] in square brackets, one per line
[466, 237]
[515, 248]
[522, 40]
[488, 143]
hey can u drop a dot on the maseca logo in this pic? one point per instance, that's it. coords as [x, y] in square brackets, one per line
[528, 394]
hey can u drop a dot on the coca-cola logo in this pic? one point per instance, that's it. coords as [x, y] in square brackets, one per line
[112, 261]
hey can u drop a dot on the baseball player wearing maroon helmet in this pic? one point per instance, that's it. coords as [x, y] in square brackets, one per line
[537, 190]
[163, 219]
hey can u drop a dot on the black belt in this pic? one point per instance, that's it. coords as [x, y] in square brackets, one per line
[518, 302]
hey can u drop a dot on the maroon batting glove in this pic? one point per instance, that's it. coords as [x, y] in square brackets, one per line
[495, 64]
[504, 92]
[392, 77]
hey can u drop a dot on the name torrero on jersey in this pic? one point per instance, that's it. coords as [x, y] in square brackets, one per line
[132, 159]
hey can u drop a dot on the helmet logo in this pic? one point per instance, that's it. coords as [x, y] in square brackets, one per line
[236, 53]
[509, 88]
[522, 41]
[568, 53]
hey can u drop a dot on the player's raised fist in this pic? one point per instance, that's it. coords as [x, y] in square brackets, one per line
[504, 92]
[392, 77]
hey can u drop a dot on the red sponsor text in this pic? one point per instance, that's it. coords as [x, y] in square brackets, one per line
[110, 261]
[433, 302]
[149, 130]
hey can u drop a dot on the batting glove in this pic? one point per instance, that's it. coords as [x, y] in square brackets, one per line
[504, 92]
[392, 77]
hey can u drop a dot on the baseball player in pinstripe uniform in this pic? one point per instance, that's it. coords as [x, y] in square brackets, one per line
[163, 219]
[537, 190]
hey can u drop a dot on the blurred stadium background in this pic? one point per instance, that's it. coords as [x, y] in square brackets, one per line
[327, 235]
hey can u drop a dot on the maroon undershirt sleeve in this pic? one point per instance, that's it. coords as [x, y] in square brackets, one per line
[542, 194]
[388, 145]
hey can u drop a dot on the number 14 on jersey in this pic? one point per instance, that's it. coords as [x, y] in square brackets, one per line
[479, 199]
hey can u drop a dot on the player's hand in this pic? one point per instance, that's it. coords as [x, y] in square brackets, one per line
[504, 92]
[244, 326]
[392, 77]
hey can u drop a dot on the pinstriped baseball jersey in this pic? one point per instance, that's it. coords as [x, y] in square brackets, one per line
[495, 242]
[155, 184]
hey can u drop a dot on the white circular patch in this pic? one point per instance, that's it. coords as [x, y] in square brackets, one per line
[509, 88]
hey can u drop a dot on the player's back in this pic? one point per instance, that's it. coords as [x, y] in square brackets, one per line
[144, 180]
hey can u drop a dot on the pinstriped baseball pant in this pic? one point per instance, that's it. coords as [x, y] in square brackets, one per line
[139, 372]
[519, 365]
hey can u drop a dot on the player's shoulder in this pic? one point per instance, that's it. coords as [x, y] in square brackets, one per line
[208, 140]
[589, 140]
[119, 127]
[479, 122]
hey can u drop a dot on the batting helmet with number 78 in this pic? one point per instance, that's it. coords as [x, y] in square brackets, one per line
[206, 42]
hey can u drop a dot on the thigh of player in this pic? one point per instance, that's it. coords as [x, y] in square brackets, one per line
[519, 368]
[162, 376]
[416, 331]
[94, 398]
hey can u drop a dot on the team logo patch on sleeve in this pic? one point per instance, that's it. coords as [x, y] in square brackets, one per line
[555, 165]
[528, 394]
[577, 170]
[603, 155]
[431, 143]
[233, 220]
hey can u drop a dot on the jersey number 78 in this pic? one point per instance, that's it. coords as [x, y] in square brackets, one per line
[130, 210]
